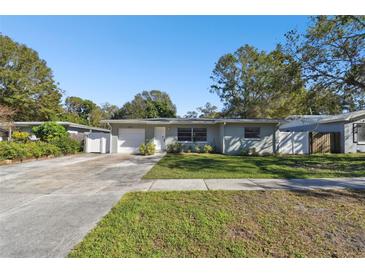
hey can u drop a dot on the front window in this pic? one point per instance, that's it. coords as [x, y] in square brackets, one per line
[199, 134]
[192, 134]
[184, 135]
[360, 128]
[252, 132]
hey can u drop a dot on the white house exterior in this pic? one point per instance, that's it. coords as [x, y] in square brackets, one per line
[293, 135]
[350, 128]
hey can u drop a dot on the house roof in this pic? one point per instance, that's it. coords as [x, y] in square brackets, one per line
[307, 121]
[172, 121]
[68, 124]
[345, 117]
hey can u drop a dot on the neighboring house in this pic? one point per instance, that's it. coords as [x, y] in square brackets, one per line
[228, 136]
[344, 133]
[76, 130]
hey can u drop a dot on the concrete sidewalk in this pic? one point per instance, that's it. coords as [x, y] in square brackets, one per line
[255, 184]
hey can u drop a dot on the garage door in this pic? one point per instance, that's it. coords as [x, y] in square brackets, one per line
[130, 139]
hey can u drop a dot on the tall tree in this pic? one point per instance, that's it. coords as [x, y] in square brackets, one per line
[332, 56]
[6, 114]
[82, 111]
[108, 110]
[191, 114]
[208, 111]
[148, 104]
[26, 83]
[254, 83]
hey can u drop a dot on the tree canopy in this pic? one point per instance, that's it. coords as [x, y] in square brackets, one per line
[253, 83]
[26, 83]
[206, 111]
[6, 114]
[109, 110]
[332, 57]
[319, 72]
[82, 111]
[148, 104]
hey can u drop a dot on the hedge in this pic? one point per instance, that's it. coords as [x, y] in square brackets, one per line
[20, 151]
[67, 145]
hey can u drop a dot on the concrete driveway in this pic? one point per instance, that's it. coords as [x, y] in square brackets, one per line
[48, 206]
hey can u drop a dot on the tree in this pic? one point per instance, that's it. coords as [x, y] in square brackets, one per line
[82, 111]
[26, 83]
[208, 111]
[49, 131]
[332, 56]
[108, 110]
[6, 114]
[256, 84]
[191, 115]
[148, 104]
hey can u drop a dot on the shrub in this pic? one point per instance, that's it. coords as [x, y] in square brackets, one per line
[174, 148]
[147, 149]
[11, 150]
[66, 144]
[248, 152]
[189, 149]
[197, 149]
[208, 149]
[49, 131]
[49, 149]
[19, 136]
[19, 151]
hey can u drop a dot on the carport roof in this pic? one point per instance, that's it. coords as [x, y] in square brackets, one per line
[310, 122]
[169, 121]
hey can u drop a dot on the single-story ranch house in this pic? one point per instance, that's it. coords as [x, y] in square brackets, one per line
[344, 133]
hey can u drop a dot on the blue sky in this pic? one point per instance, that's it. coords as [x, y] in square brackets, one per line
[111, 58]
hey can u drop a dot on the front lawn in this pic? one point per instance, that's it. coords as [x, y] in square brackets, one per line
[216, 166]
[231, 224]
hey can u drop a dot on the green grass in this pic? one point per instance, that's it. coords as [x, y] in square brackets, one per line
[231, 224]
[205, 166]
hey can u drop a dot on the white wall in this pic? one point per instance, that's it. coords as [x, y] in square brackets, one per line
[293, 142]
[234, 141]
[97, 142]
[350, 146]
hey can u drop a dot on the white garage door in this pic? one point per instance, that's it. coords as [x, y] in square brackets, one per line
[130, 139]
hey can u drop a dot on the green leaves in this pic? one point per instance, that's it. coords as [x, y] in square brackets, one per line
[82, 111]
[332, 57]
[49, 131]
[148, 104]
[320, 72]
[26, 83]
[253, 83]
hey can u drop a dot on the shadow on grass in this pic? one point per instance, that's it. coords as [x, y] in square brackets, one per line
[332, 194]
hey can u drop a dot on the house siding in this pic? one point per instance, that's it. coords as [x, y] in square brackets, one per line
[228, 138]
[234, 141]
[212, 134]
[171, 134]
[350, 145]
